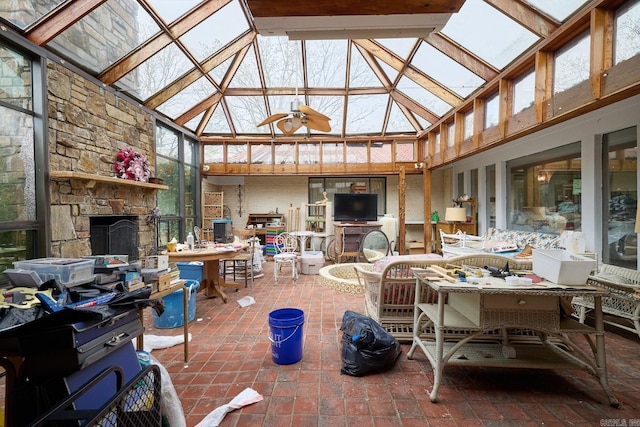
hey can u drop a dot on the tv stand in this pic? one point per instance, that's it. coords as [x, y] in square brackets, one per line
[349, 235]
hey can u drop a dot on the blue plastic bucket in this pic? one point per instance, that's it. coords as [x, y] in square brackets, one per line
[173, 315]
[286, 335]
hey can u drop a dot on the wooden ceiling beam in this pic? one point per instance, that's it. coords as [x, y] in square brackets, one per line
[463, 56]
[193, 75]
[158, 42]
[198, 108]
[527, 16]
[412, 105]
[399, 65]
[375, 67]
[60, 19]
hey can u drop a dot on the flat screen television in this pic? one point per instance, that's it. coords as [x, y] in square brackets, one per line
[356, 207]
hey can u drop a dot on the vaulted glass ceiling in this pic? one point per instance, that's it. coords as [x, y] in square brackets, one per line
[203, 65]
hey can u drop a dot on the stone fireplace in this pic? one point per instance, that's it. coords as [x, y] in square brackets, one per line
[88, 125]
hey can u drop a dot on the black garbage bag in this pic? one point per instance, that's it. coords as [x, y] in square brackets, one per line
[366, 346]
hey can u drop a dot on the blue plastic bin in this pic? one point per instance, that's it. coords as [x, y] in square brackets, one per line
[191, 270]
[173, 315]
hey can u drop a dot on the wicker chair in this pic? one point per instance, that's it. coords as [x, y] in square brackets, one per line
[390, 293]
[623, 300]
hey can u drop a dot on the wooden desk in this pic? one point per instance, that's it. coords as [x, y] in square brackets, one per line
[211, 280]
[180, 284]
[470, 310]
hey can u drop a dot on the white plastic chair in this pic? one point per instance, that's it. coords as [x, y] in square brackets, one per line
[286, 247]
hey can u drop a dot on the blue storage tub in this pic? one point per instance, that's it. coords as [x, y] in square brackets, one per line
[191, 270]
[173, 315]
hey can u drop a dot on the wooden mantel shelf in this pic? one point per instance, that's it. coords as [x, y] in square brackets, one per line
[92, 179]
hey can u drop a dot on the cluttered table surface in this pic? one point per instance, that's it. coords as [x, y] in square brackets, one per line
[210, 257]
[471, 309]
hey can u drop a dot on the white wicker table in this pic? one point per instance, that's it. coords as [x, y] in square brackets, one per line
[474, 309]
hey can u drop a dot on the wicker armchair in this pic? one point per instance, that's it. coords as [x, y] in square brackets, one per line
[390, 293]
[623, 300]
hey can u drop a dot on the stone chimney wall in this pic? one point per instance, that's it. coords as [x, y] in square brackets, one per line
[87, 127]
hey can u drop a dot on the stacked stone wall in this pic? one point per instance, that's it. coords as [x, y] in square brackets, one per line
[88, 125]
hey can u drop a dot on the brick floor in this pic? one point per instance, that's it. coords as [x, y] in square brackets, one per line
[230, 350]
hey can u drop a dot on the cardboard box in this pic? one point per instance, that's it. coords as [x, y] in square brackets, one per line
[159, 262]
[562, 267]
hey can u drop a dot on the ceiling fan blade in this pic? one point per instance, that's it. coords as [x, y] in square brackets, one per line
[313, 122]
[311, 112]
[282, 125]
[272, 118]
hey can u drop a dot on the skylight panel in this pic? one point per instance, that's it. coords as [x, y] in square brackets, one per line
[195, 122]
[365, 113]
[361, 74]
[401, 47]
[247, 112]
[187, 97]
[170, 10]
[499, 40]
[445, 70]
[220, 71]
[86, 41]
[218, 123]
[423, 122]
[28, 13]
[216, 31]
[326, 62]
[247, 73]
[391, 72]
[155, 73]
[559, 10]
[423, 96]
[398, 122]
[281, 61]
[330, 106]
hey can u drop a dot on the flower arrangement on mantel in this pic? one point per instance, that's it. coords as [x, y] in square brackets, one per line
[132, 166]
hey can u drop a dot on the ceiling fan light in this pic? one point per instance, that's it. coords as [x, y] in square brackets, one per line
[288, 125]
[296, 122]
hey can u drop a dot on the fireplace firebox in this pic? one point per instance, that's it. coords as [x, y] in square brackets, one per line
[115, 235]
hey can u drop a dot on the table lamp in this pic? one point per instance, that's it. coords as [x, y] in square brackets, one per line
[456, 214]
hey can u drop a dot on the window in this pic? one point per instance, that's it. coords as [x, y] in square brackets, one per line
[451, 134]
[620, 177]
[357, 152]
[491, 111]
[214, 153]
[523, 92]
[349, 184]
[380, 152]
[571, 63]
[405, 152]
[490, 172]
[468, 125]
[22, 132]
[545, 191]
[176, 160]
[627, 35]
